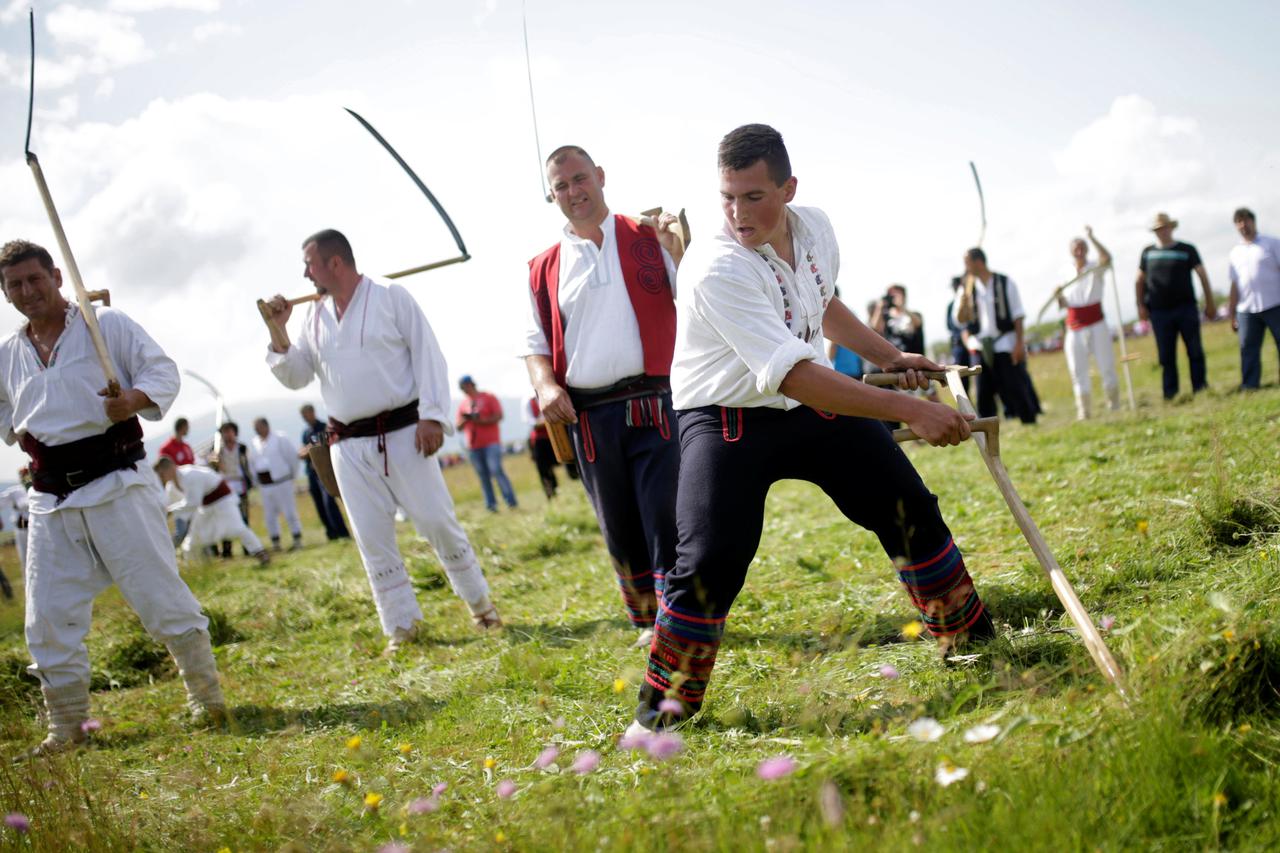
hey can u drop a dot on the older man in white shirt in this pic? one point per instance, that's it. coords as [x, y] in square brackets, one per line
[274, 460]
[96, 519]
[758, 402]
[385, 384]
[1254, 302]
[602, 326]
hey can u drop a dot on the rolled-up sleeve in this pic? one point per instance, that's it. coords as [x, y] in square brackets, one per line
[733, 305]
[143, 364]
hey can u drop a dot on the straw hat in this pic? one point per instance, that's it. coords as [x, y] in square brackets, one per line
[1162, 220]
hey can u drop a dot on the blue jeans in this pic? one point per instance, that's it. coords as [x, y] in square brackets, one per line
[488, 464]
[1253, 328]
[1167, 324]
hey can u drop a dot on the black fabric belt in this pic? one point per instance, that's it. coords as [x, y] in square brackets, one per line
[379, 425]
[626, 389]
[217, 494]
[60, 469]
[264, 477]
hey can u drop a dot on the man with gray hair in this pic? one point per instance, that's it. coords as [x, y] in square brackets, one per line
[1254, 302]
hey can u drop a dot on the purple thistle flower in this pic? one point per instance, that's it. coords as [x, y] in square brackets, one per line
[586, 761]
[395, 847]
[664, 745]
[439, 789]
[888, 672]
[18, 822]
[776, 768]
[632, 742]
[672, 707]
[1106, 622]
[546, 758]
[90, 726]
[505, 789]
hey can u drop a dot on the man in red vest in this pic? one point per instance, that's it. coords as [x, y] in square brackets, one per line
[601, 334]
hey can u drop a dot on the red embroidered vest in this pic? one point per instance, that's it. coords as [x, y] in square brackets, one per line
[646, 277]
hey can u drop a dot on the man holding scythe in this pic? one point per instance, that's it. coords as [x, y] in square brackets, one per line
[385, 385]
[1087, 331]
[96, 518]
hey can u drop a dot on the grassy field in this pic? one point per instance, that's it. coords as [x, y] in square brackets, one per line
[1166, 520]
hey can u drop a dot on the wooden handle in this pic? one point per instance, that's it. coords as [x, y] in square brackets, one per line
[279, 339]
[561, 444]
[680, 228]
[103, 296]
[882, 380]
[989, 426]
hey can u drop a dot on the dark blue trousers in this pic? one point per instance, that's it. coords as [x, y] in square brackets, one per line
[1253, 327]
[630, 473]
[1167, 324]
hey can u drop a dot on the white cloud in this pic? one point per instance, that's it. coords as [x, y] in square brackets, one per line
[157, 5]
[67, 108]
[13, 11]
[98, 42]
[105, 87]
[204, 32]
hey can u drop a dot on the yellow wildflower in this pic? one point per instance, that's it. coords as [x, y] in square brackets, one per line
[143, 795]
[224, 850]
[1245, 728]
[1219, 800]
[501, 837]
[341, 776]
[353, 742]
[912, 629]
[405, 748]
[1228, 635]
[1142, 527]
[404, 829]
[619, 685]
[490, 763]
[372, 801]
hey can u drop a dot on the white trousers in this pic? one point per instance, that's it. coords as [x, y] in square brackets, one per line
[414, 483]
[218, 521]
[280, 499]
[76, 554]
[1094, 339]
[20, 540]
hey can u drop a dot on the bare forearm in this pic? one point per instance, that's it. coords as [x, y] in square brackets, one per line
[823, 388]
[541, 373]
[841, 325]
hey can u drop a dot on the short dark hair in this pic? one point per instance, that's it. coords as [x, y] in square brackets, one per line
[16, 251]
[1243, 213]
[164, 462]
[180, 423]
[976, 254]
[742, 147]
[263, 421]
[330, 242]
[306, 406]
[901, 287]
[558, 156]
[231, 425]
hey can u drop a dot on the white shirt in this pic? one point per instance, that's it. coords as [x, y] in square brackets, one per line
[380, 356]
[985, 299]
[15, 499]
[59, 403]
[733, 344]
[195, 481]
[601, 334]
[1087, 291]
[275, 455]
[1255, 270]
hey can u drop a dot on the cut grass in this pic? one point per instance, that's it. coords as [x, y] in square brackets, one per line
[1143, 511]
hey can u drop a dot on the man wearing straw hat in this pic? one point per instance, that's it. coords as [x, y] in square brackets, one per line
[1167, 299]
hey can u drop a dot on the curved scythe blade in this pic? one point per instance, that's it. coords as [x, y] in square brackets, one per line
[31, 93]
[457, 238]
[982, 204]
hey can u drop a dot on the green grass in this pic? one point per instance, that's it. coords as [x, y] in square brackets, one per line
[1165, 520]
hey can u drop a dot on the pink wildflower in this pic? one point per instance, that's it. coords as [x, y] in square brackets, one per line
[505, 789]
[586, 761]
[1106, 622]
[424, 805]
[632, 742]
[439, 789]
[672, 707]
[18, 822]
[664, 745]
[395, 847]
[91, 725]
[776, 768]
[889, 672]
[546, 758]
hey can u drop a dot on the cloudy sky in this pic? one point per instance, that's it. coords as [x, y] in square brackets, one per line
[190, 144]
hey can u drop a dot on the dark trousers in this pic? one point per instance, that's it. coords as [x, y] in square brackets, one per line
[544, 459]
[1253, 328]
[728, 460]
[630, 474]
[1167, 324]
[1013, 385]
[961, 355]
[5, 588]
[326, 508]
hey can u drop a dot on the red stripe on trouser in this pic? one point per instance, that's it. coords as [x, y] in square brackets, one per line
[588, 443]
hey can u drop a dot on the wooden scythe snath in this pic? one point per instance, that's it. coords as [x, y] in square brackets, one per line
[84, 298]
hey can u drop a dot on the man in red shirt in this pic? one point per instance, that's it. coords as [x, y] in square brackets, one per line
[177, 448]
[478, 418]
